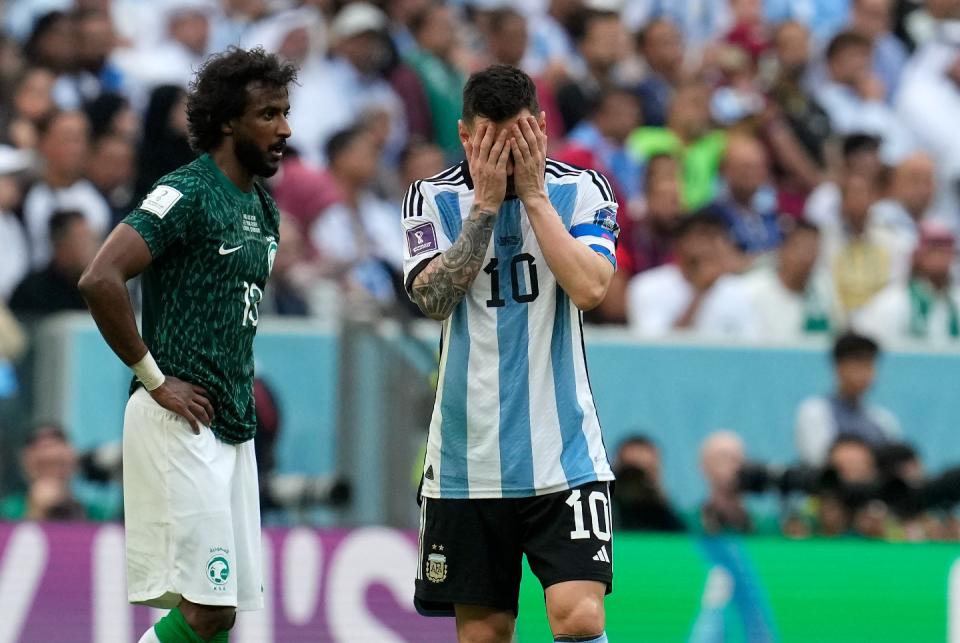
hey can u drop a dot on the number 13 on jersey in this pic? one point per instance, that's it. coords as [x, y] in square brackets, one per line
[252, 296]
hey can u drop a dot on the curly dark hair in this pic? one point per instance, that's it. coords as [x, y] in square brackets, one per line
[219, 91]
[499, 92]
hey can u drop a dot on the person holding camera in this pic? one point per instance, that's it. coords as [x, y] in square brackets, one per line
[639, 501]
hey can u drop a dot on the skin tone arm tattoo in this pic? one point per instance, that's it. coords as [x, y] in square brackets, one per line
[443, 283]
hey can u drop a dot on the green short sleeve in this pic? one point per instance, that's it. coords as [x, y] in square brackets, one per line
[166, 214]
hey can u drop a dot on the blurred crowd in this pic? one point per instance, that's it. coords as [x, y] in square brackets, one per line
[854, 473]
[784, 168]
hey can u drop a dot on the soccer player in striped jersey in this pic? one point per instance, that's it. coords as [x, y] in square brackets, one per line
[507, 248]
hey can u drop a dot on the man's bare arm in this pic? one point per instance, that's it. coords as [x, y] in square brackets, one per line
[443, 283]
[125, 255]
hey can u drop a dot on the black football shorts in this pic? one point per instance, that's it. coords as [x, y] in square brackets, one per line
[471, 551]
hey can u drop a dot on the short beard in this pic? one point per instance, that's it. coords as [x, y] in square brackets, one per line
[252, 158]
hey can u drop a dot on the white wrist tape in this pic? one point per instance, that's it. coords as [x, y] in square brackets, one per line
[148, 372]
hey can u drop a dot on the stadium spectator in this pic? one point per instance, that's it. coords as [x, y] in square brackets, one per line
[661, 45]
[863, 259]
[111, 168]
[29, 104]
[349, 83]
[358, 238]
[925, 308]
[49, 463]
[63, 146]
[92, 71]
[821, 420]
[647, 231]
[724, 510]
[419, 160]
[929, 100]
[749, 31]
[52, 43]
[15, 258]
[747, 202]
[795, 297]
[180, 50]
[841, 504]
[302, 191]
[689, 137]
[854, 98]
[164, 145]
[54, 288]
[506, 43]
[603, 43]
[909, 197]
[111, 113]
[859, 154]
[806, 119]
[599, 141]
[552, 51]
[289, 279]
[639, 501]
[697, 294]
[435, 30]
[873, 19]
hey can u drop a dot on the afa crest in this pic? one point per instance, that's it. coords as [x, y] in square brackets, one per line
[436, 568]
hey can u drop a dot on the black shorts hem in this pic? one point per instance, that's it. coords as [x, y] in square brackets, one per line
[446, 607]
[606, 579]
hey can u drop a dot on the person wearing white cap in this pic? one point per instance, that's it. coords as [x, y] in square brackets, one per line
[927, 307]
[183, 45]
[348, 84]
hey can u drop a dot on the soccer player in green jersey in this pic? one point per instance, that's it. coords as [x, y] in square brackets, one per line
[204, 240]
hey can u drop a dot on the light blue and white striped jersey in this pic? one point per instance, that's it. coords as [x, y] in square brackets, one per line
[514, 414]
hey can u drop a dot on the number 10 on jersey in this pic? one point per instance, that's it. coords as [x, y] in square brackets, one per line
[532, 290]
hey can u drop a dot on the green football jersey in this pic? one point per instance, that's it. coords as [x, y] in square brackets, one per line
[213, 247]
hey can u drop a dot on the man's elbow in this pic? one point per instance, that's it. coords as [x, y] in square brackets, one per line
[590, 296]
[91, 281]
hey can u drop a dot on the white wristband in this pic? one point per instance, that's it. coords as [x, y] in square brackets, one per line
[148, 372]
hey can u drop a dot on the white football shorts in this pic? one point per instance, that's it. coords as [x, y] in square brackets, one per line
[192, 512]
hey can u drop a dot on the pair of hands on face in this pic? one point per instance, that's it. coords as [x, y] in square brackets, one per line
[488, 153]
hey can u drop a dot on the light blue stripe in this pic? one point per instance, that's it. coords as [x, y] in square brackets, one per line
[448, 204]
[453, 407]
[591, 230]
[574, 456]
[516, 449]
[563, 196]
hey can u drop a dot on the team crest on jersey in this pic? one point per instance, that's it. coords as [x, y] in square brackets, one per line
[421, 239]
[271, 255]
[218, 571]
[436, 571]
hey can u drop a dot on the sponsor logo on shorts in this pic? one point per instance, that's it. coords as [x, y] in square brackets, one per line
[436, 568]
[218, 568]
[421, 239]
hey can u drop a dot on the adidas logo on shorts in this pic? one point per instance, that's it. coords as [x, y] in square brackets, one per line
[602, 555]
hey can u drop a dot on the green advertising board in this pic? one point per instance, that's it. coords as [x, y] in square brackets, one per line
[675, 589]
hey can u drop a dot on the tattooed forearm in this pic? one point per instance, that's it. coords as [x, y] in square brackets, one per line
[443, 283]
